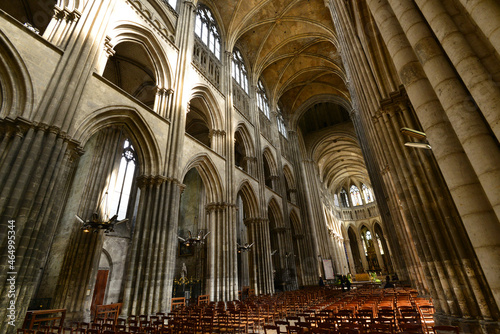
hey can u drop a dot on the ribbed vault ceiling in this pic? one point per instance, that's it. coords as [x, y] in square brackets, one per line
[292, 46]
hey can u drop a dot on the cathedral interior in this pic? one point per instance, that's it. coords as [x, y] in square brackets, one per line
[146, 145]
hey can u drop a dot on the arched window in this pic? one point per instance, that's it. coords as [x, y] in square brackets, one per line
[240, 73]
[356, 196]
[343, 198]
[281, 124]
[262, 101]
[379, 242]
[121, 192]
[367, 193]
[336, 200]
[206, 30]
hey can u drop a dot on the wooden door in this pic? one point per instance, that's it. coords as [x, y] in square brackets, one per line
[99, 290]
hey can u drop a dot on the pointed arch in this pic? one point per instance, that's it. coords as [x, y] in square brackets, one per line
[290, 179]
[16, 89]
[246, 138]
[209, 174]
[295, 222]
[274, 212]
[289, 183]
[204, 94]
[125, 31]
[268, 155]
[244, 151]
[250, 202]
[141, 135]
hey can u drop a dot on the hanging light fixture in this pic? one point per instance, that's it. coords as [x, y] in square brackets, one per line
[244, 248]
[95, 224]
[193, 241]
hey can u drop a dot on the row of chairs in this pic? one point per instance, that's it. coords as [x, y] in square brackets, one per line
[315, 310]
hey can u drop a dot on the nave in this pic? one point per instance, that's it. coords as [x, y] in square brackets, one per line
[365, 309]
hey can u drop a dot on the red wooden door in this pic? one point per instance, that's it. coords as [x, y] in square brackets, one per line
[99, 290]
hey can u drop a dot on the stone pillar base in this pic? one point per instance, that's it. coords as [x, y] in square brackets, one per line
[468, 325]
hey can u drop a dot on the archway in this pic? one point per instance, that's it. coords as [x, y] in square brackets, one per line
[368, 245]
[358, 265]
[105, 185]
[198, 122]
[132, 69]
[191, 264]
[383, 247]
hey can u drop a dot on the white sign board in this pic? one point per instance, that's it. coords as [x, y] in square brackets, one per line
[327, 266]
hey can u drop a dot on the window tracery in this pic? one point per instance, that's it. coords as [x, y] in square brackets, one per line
[262, 101]
[356, 196]
[123, 186]
[240, 73]
[343, 198]
[206, 30]
[281, 124]
[367, 193]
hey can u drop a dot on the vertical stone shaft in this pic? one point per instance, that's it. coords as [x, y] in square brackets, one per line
[401, 199]
[36, 166]
[476, 140]
[481, 148]
[475, 76]
[486, 14]
[466, 191]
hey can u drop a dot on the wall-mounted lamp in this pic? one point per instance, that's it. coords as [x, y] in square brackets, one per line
[419, 145]
[418, 135]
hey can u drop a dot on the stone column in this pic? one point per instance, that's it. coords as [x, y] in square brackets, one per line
[35, 172]
[218, 141]
[474, 75]
[150, 271]
[309, 256]
[223, 278]
[162, 101]
[352, 266]
[486, 14]
[61, 26]
[258, 230]
[475, 210]
[475, 137]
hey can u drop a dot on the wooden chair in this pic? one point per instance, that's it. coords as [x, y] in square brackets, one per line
[411, 328]
[317, 330]
[380, 328]
[177, 303]
[271, 329]
[294, 330]
[292, 320]
[445, 329]
[427, 316]
[281, 326]
[203, 299]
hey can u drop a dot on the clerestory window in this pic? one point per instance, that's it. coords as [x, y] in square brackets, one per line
[262, 101]
[206, 30]
[281, 124]
[367, 193]
[240, 73]
[356, 196]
